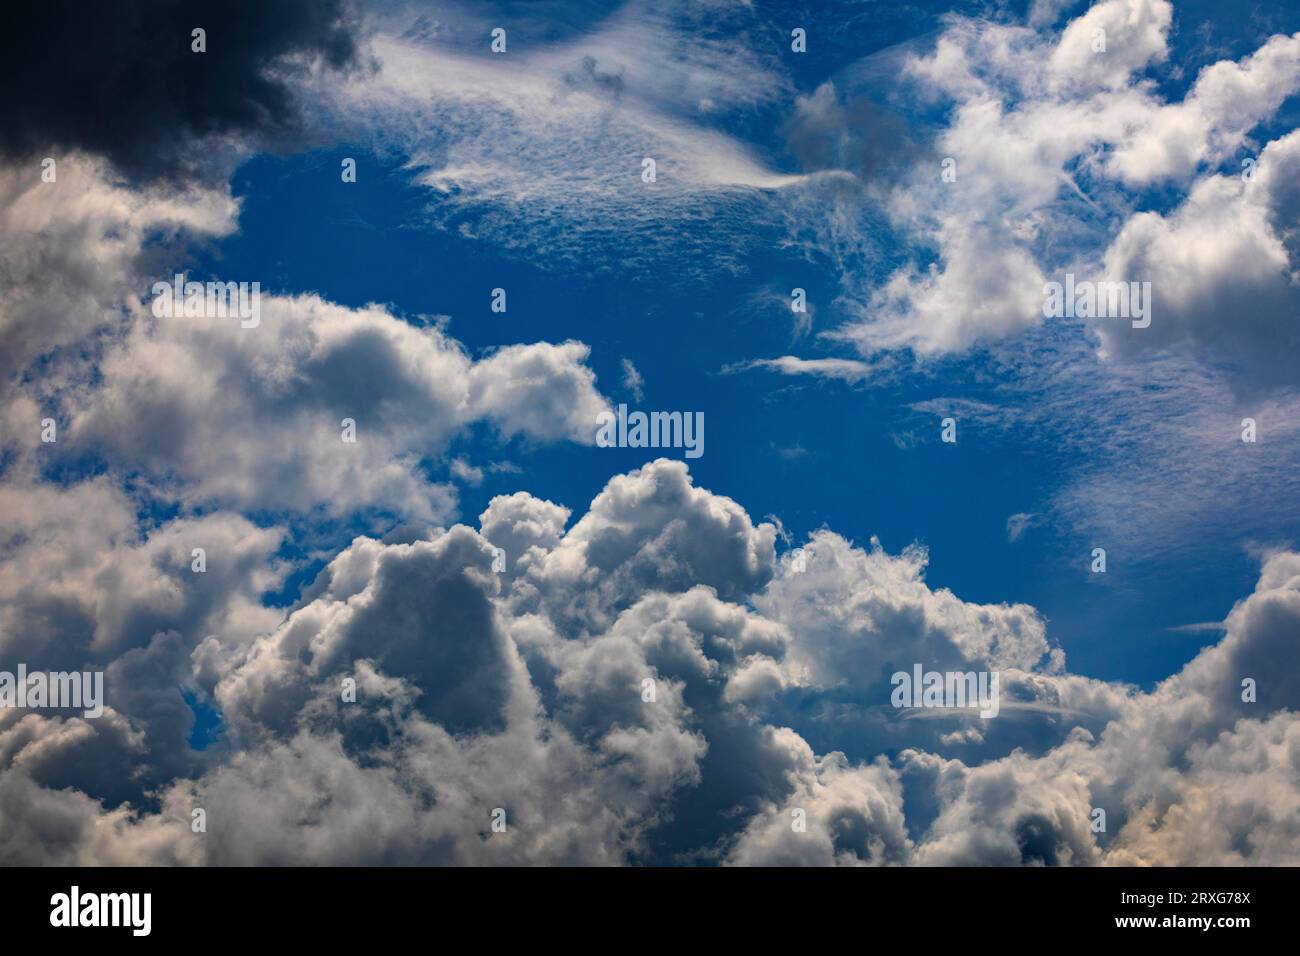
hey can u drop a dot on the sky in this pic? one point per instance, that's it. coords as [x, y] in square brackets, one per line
[922, 172]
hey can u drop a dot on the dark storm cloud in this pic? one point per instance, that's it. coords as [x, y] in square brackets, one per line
[121, 80]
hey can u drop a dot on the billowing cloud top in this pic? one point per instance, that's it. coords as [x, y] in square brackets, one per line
[476, 691]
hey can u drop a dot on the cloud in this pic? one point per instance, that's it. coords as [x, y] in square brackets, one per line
[647, 680]
[543, 391]
[1154, 400]
[425, 616]
[623, 546]
[493, 135]
[1019, 523]
[1232, 807]
[74, 250]
[527, 691]
[1081, 136]
[67, 828]
[1222, 269]
[860, 612]
[251, 417]
[633, 381]
[466, 472]
[254, 417]
[846, 370]
[82, 587]
[1110, 181]
[857, 136]
[853, 815]
[1153, 764]
[1134, 34]
[1212, 122]
[129, 88]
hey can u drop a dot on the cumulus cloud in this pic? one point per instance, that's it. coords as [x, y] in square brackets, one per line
[1212, 122]
[852, 815]
[255, 417]
[1153, 764]
[74, 248]
[216, 413]
[1132, 34]
[1222, 267]
[200, 415]
[620, 707]
[83, 587]
[1080, 134]
[526, 528]
[623, 546]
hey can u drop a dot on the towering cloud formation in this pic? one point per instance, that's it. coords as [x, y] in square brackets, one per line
[622, 701]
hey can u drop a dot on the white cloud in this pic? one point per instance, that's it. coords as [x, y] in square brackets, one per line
[623, 546]
[1134, 35]
[853, 814]
[1210, 125]
[495, 135]
[213, 413]
[1052, 142]
[526, 689]
[847, 370]
[83, 587]
[253, 418]
[1222, 267]
[633, 381]
[73, 250]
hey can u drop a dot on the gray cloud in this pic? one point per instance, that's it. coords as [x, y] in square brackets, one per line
[129, 88]
[527, 691]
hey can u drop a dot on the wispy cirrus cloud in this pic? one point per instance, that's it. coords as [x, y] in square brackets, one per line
[494, 136]
[846, 370]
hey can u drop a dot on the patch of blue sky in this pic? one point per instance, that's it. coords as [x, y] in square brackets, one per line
[856, 457]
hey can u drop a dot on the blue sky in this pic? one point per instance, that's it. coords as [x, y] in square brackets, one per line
[813, 453]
